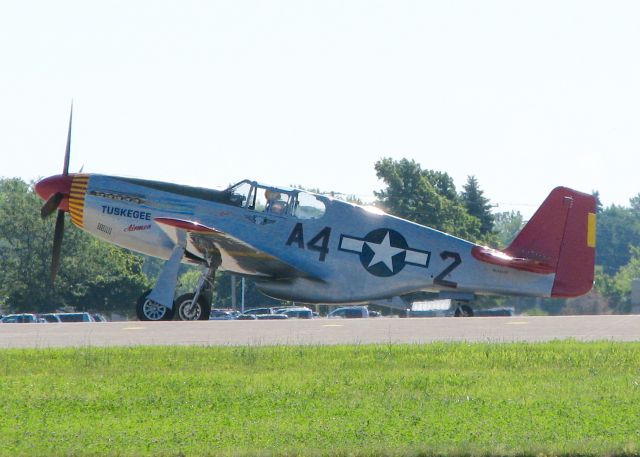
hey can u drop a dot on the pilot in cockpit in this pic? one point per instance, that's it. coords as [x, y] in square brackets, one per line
[275, 204]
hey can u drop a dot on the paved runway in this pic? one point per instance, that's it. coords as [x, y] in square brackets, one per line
[322, 331]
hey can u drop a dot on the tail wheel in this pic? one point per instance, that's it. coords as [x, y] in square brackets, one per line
[464, 311]
[186, 312]
[148, 310]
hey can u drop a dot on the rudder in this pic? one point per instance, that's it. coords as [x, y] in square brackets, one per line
[562, 233]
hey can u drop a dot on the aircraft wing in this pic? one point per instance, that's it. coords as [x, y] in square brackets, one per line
[236, 254]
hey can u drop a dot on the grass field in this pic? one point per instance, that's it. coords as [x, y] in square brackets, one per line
[561, 398]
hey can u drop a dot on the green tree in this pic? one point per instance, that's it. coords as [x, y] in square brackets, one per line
[26, 245]
[188, 279]
[618, 228]
[606, 286]
[622, 281]
[599, 206]
[93, 275]
[507, 224]
[111, 283]
[442, 183]
[477, 204]
[635, 204]
[410, 193]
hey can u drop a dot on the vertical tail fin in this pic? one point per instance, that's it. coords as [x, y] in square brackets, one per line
[562, 233]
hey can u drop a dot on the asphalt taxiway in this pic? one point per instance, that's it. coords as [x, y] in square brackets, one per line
[322, 331]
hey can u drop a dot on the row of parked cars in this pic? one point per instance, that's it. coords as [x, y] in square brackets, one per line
[298, 312]
[291, 312]
[274, 313]
[29, 318]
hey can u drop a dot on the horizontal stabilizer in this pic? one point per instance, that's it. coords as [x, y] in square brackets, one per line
[500, 258]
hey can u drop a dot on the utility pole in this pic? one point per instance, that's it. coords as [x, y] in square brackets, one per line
[242, 298]
[233, 293]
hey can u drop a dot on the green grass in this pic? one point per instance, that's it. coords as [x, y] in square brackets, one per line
[561, 398]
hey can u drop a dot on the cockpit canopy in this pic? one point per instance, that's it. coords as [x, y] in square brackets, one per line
[277, 200]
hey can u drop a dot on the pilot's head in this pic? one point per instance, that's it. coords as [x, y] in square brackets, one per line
[271, 195]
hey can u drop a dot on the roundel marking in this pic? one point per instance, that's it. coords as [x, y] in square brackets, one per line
[384, 252]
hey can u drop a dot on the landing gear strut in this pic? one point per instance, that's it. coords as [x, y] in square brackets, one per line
[197, 306]
[158, 304]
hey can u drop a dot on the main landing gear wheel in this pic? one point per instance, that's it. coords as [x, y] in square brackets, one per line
[148, 310]
[186, 312]
[464, 311]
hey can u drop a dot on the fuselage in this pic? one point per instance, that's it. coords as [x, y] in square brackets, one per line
[348, 253]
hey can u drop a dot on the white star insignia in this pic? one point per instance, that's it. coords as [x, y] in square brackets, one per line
[383, 252]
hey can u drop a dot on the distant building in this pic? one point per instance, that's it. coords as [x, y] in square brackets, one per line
[635, 296]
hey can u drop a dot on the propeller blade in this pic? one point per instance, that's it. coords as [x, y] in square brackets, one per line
[57, 245]
[67, 154]
[51, 205]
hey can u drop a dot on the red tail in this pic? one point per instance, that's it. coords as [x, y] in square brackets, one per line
[562, 234]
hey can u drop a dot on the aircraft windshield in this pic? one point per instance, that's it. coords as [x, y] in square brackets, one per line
[239, 194]
[273, 200]
[309, 206]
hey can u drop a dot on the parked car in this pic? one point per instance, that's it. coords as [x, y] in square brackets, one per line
[24, 318]
[50, 317]
[298, 312]
[222, 315]
[99, 318]
[75, 317]
[246, 317]
[261, 311]
[349, 312]
[505, 311]
[271, 316]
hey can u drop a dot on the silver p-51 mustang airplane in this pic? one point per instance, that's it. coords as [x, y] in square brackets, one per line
[311, 248]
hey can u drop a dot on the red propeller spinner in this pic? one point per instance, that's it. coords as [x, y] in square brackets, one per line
[54, 190]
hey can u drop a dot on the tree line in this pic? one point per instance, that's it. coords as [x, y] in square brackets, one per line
[97, 276]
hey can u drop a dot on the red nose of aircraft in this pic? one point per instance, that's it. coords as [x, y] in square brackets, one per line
[47, 187]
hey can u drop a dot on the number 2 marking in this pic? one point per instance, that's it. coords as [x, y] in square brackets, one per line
[452, 266]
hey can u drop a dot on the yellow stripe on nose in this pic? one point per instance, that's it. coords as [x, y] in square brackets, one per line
[76, 199]
[591, 230]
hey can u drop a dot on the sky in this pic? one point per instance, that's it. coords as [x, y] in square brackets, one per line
[524, 95]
